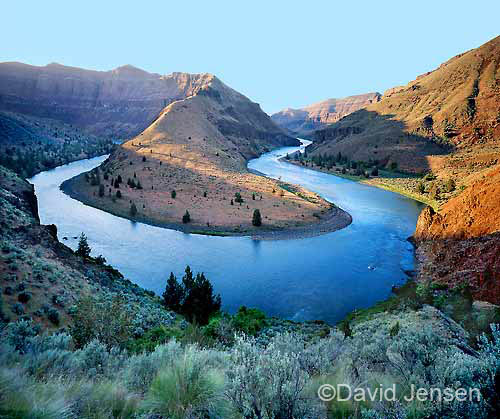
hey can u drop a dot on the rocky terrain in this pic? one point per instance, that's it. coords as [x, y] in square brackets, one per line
[43, 280]
[303, 121]
[455, 106]
[193, 158]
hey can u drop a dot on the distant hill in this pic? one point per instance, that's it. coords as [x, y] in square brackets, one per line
[305, 120]
[118, 103]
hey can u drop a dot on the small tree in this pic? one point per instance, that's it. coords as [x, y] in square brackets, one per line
[174, 294]
[173, 194]
[118, 194]
[133, 210]
[238, 198]
[83, 247]
[253, 196]
[186, 218]
[421, 187]
[101, 190]
[257, 218]
[139, 186]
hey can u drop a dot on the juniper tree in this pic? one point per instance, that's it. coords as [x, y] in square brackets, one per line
[133, 210]
[83, 247]
[174, 294]
[186, 218]
[257, 218]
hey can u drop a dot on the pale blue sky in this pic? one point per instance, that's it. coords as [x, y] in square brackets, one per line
[278, 53]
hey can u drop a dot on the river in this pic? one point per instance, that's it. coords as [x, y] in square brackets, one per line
[318, 278]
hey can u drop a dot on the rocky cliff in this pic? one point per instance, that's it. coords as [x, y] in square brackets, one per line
[305, 120]
[452, 107]
[119, 103]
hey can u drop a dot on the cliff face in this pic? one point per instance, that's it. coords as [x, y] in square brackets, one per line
[305, 120]
[120, 103]
[455, 106]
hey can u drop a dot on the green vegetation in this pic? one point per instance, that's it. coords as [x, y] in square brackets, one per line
[173, 194]
[194, 298]
[238, 198]
[256, 218]
[49, 376]
[83, 247]
[133, 210]
[186, 218]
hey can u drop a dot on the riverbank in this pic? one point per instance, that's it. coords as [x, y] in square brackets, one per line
[405, 186]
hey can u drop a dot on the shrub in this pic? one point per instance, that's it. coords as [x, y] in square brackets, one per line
[53, 316]
[249, 320]
[186, 218]
[24, 297]
[173, 194]
[269, 382]
[420, 187]
[238, 198]
[101, 190]
[93, 321]
[450, 185]
[118, 194]
[187, 389]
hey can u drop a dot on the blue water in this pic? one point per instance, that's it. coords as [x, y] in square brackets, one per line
[319, 278]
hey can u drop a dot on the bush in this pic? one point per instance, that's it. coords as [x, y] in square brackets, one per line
[187, 389]
[24, 297]
[173, 194]
[53, 316]
[186, 218]
[249, 320]
[93, 321]
[238, 198]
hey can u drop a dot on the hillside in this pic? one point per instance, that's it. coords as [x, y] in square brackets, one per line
[455, 106]
[44, 280]
[29, 144]
[198, 147]
[304, 121]
[119, 103]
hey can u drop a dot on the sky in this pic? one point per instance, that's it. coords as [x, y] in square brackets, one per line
[278, 53]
